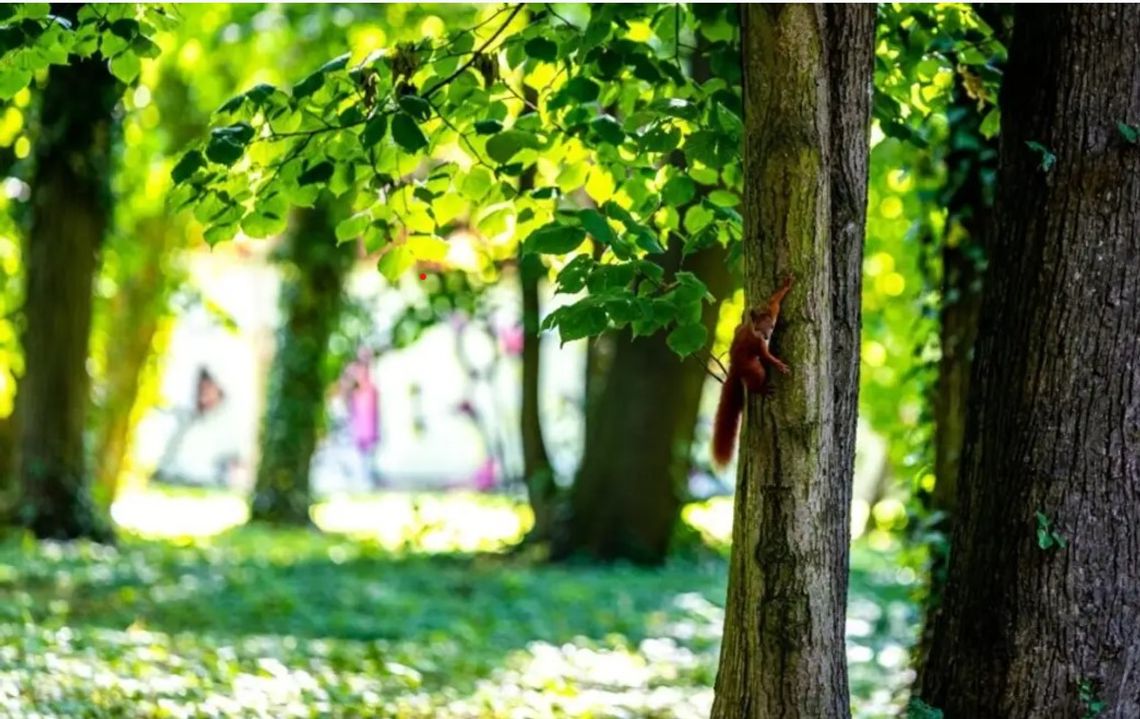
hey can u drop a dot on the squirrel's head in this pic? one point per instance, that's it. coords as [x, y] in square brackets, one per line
[762, 323]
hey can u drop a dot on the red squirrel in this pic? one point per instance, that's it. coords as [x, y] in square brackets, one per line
[746, 359]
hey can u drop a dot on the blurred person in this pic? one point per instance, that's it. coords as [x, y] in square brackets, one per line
[362, 398]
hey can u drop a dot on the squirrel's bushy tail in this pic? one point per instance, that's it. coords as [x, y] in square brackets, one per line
[727, 421]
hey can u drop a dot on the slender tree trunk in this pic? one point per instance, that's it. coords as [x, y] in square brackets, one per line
[538, 475]
[70, 213]
[1030, 628]
[807, 81]
[295, 400]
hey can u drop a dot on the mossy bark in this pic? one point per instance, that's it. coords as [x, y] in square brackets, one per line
[807, 81]
[311, 300]
[70, 213]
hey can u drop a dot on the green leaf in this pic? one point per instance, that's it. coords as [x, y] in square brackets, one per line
[407, 133]
[186, 166]
[374, 130]
[608, 129]
[582, 89]
[991, 124]
[476, 184]
[724, 198]
[555, 239]
[263, 224]
[352, 227]
[505, 145]
[12, 80]
[309, 85]
[596, 224]
[540, 48]
[678, 191]
[125, 28]
[581, 319]
[661, 139]
[1129, 132]
[488, 127]
[126, 66]
[239, 133]
[224, 148]
[395, 262]
[687, 338]
[318, 173]
[415, 106]
[572, 278]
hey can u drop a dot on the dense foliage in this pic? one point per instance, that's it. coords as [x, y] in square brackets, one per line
[429, 136]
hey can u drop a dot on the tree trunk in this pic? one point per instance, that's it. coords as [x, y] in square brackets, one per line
[70, 213]
[1031, 628]
[295, 400]
[538, 475]
[639, 436]
[807, 82]
[133, 316]
[968, 199]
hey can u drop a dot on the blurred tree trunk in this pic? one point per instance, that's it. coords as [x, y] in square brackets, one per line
[807, 83]
[134, 313]
[1031, 627]
[640, 426]
[537, 472]
[311, 299]
[538, 475]
[71, 208]
[9, 493]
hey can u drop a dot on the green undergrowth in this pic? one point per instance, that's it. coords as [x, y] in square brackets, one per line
[256, 622]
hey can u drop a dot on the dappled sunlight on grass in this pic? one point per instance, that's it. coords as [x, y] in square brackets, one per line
[378, 620]
[425, 521]
[455, 521]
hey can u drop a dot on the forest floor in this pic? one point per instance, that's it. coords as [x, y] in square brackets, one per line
[418, 618]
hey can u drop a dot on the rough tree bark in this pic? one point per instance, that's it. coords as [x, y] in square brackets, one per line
[71, 208]
[807, 83]
[311, 301]
[1054, 413]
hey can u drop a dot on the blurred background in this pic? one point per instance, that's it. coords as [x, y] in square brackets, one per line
[419, 596]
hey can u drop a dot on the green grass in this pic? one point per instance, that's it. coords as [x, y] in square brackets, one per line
[259, 623]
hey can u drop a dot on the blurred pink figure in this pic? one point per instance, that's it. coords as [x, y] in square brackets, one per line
[487, 476]
[511, 340]
[363, 400]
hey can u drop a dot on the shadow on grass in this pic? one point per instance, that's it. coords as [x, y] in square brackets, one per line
[290, 618]
[253, 582]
